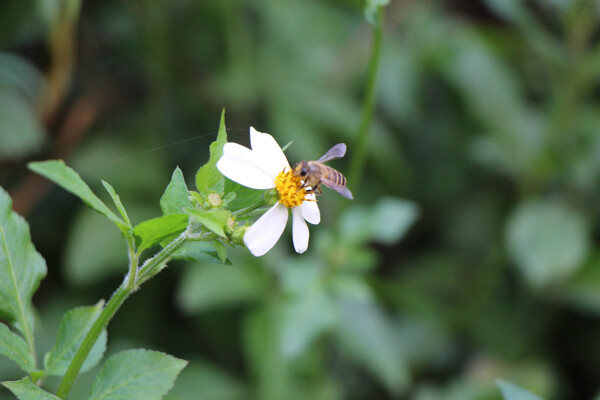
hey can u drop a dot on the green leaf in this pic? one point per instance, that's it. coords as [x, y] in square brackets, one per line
[370, 339]
[117, 200]
[176, 196]
[199, 252]
[205, 287]
[26, 390]
[136, 374]
[387, 222]
[548, 241]
[513, 392]
[74, 325]
[214, 383]
[58, 172]
[21, 132]
[155, 230]
[304, 318]
[21, 270]
[221, 250]
[208, 177]
[214, 219]
[14, 347]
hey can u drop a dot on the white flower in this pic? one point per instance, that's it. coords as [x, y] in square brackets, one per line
[266, 167]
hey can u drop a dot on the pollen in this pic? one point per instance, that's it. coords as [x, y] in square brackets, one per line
[289, 188]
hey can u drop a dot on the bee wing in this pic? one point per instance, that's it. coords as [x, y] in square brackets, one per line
[336, 151]
[341, 189]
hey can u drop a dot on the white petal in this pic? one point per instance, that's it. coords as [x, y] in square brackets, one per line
[240, 164]
[269, 152]
[266, 231]
[310, 209]
[300, 232]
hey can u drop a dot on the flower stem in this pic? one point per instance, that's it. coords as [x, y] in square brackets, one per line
[151, 267]
[360, 148]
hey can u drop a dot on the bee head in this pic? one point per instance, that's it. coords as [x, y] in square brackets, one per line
[301, 169]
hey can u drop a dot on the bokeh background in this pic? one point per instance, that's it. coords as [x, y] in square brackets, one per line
[469, 253]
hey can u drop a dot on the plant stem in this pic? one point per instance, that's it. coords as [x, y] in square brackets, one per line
[360, 149]
[150, 268]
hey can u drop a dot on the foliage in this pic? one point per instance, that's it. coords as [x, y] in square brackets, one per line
[467, 261]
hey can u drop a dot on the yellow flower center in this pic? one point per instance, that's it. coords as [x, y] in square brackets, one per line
[289, 189]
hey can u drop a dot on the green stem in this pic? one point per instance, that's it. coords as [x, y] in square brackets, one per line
[150, 268]
[90, 339]
[133, 262]
[360, 148]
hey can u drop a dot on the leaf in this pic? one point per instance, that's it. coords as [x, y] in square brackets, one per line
[221, 250]
[199, 252]
[369, 338]
[21, 132]
[74, 325]
[208, 177]
[214, 219]
[14, 347]
[205, 287]
[117, 200]
[21, 270]
[387, 222]
[547, 240]
[87, 259]
[176, 195]
[58, 172]
[155, 230]
[513, 392]
[304, 318]
[136, 374]
[26, 390]
[214, 383]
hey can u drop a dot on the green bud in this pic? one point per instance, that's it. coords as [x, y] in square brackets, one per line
[214, 200]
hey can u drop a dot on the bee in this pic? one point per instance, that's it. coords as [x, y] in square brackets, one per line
[315, 172]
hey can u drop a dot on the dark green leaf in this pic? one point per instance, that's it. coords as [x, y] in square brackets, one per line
[26, 390]
[74, 326]
[548, 240]
[176, 196]
[208, 177]
[21, 270]
[513, 392]
[136, 374]
[199, 252]
[214, 219]
[155, 230]
[205, 287]
[58, 172]
[21, 132]
[117, 200]
[14, 347]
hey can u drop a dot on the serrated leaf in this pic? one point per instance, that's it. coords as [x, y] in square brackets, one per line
[136, 374]
[58, 172]
[117, 200]
[215, 384]
[176, 195]
[21, 270]
[513, 392]
[155, 230]
[206, 287]
[26, 390]
[548, 241]
[214, 219]
[199, 252]
[14, 347]
[74, 325]
[208, 177]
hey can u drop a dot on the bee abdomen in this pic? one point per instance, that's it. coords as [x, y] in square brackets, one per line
[337, 177]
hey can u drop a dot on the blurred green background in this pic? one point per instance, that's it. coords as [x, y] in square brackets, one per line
[467, 255]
